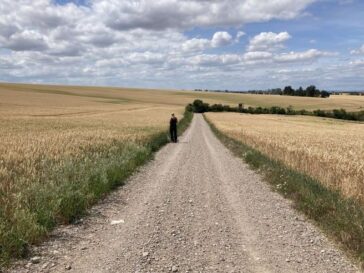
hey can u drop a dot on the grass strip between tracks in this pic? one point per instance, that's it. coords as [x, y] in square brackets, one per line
[65, 191]
[341, 218]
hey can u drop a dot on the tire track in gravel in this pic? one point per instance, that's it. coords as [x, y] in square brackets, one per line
[194, 208]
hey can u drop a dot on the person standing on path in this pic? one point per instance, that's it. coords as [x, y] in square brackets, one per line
[173, 128]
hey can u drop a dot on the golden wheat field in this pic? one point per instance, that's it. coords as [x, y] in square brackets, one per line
[329, 150]
[38, 127]
[62, 148]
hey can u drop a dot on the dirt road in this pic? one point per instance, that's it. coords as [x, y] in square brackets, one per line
[195, 208]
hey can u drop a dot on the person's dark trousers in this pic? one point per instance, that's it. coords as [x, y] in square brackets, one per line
[173, 132]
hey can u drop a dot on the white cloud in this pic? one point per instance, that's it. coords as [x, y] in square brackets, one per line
[182, 14]
[221, 38]
[357, 63]
[229, 59]
[358, 51]
[302, 56]
[268, 41]
[28, 40]
[215, 60]
[257, 55]
[7, 64]
[239, 34]
[145, 58]
[196, 44]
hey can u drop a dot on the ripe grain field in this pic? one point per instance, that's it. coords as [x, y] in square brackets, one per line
[329, 150]
[61, 149]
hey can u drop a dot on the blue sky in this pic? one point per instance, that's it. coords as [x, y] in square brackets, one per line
[184, 44]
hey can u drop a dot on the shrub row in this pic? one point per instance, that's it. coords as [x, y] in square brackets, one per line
[198, 106]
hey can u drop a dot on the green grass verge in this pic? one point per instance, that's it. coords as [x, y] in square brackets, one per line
[64, 191]
[341, 218]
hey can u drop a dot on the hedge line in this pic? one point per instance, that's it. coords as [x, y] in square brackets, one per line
[198, 106]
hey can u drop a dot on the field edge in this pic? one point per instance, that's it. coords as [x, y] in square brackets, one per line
[340, 218]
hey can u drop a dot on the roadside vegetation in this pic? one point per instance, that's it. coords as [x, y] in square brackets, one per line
[316, 163]
[199, 106]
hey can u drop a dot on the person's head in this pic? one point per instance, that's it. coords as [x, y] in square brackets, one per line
[172, 115]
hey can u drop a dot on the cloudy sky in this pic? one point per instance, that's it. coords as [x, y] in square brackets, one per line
[184, 44]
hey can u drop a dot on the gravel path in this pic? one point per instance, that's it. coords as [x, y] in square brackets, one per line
[195, 208]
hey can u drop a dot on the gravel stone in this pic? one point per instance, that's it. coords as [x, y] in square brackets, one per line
[35, 260]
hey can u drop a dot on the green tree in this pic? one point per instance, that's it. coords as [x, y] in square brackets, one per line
[200, 107]
[325, 94]
[311, 91]
[288, 90]
[300, 92]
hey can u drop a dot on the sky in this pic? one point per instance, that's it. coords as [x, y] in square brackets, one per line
[184, 44]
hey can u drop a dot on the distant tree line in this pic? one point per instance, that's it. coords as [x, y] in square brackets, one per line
[351, 93]
[310, 91]
[198, 106]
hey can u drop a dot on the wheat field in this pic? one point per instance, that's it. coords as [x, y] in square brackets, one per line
[61, 150]
[328, 150]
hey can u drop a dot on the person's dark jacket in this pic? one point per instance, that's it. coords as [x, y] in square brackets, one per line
[173, 123]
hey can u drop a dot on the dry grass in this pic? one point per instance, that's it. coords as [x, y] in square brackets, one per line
[328, 150]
